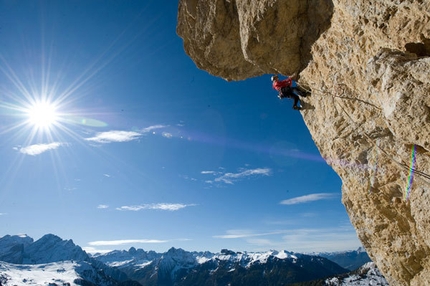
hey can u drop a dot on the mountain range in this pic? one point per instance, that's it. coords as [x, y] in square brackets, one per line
[54, 261]
[351, 260]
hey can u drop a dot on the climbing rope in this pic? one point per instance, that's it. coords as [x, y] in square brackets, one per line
[402, 164]
[410, 168]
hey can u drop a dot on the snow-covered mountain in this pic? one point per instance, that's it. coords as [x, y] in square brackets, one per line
[12, 247]
[51, 256]
[53, 261]
[366, 275]
[42, 274]
[50, 248]
[179, 267]
[56, 273]
[351, 260]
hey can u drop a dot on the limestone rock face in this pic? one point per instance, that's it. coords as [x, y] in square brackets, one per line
[244, 38]
[368, 66]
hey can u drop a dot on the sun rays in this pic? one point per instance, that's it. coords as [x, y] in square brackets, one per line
[42, 103]
[52, 95]
[43, 115]
[43, 111]
[31, 117]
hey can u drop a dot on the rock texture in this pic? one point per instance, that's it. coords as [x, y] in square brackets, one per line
[245, 38]
[368, 66]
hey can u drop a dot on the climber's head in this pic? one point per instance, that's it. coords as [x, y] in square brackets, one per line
[273, 78]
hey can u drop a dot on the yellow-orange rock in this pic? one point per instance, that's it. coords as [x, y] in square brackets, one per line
[368, 66]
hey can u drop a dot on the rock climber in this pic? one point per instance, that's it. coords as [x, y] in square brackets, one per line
[288, 88]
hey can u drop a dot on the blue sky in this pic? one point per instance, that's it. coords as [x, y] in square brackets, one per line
[110, 136]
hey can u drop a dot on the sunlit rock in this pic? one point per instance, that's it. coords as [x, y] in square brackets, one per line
[368, 65]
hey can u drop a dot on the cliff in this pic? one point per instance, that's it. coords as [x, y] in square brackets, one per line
[368, 65]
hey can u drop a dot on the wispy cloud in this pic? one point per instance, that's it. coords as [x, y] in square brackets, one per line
[125, 241]
[153, 127]
[114, 136]
[37, 149]
[125, 136]
[102, 206]
[230, 178]
[94, 250]
[308, 198]
[302, 240]
[167, 135]
[234, 234]
[161, 206]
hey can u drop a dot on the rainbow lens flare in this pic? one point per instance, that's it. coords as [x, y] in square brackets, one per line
[411, 173]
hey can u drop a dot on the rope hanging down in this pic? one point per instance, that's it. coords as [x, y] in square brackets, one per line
[402, 164]
[410, 168]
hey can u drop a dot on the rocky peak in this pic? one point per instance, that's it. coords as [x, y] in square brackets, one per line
[15, 239]
[20, 249]
[51, 248]
[132, 251]
[367, 64]
[173, 255]
[227, 252]
[12, 248]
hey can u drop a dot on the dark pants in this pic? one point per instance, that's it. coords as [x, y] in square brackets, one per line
[288, 92]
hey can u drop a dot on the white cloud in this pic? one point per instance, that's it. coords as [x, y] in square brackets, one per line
[167, 135]
[308, 198]
[102, 206]
[154, 127]
[207, 172]
[124, 241]
[93, 250]
[228, 178]
[303, 240]
[233, 234]
[37, 149]
[114, 136]
[161, 206]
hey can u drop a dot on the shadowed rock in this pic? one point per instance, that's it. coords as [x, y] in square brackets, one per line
[239, 39]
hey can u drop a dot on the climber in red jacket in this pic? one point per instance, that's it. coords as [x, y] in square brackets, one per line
[288, 88]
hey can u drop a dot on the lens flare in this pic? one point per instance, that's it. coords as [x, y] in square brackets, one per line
[411, 172]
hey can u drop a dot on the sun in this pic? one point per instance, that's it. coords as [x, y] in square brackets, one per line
[42, 115]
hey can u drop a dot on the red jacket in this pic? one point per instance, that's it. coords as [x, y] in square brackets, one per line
[278, 84]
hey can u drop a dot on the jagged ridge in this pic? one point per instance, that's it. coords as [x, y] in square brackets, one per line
[68, 263]
[179, 267]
